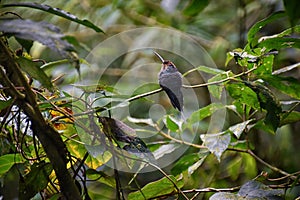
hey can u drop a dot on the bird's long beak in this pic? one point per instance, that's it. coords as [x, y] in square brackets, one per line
[159, 56]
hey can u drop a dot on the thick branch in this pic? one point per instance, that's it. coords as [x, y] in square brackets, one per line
[47, 135]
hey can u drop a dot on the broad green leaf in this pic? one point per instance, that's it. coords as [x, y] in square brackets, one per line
[256, 190]
[216, 143]
[240, 92]
[238, 129]
[157, 188]
[7, 161]
[35, 181]
[208, 70]
[34, 71]
[5, 103]
[101, 177]
[165, 149]
[229, 57]
[96, 158]
[43, 32]
[249, 165]
[96, 88]
[286, 32]
[291, 8]
[269, 102]
[259, 25]
[279, 43]
[55, 11]
[204, 112]
[184, 163]
[288, 118]
[286, 85]
[234, 167]
[266, 66]
[172, 124]
[195, 7]
[27, 44]
[216, 89]
[196, 165]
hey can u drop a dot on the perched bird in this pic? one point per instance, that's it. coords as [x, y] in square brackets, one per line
[170, 80]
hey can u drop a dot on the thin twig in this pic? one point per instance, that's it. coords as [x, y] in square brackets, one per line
[221, 81]
[144, 95]
[177, 140]
[210, 189]
[273, 168]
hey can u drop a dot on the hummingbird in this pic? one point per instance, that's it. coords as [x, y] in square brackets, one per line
[170, 80]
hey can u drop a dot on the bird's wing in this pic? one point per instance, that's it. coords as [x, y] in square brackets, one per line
[171, 84]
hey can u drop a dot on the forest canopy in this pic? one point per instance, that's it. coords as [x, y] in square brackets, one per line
[149, 99]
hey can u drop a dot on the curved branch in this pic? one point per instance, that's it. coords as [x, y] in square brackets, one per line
[50, 139]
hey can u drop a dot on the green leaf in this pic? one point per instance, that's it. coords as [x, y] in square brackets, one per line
[288, 118]
[34, 71]
[27, 44]
[216, 89]
[5, 103]
[259, 25]
[7, 161]
[286, 32]
[266, 66]
[184, 163]
[279, 43]
[243, 94]
[286, 85]
[36, 180]
[196, 165]
[269, 102]
[216, 143]
[208, 70]
[195, 7]
[204, 112]
[55, 11]
[96, 88]
[238, 129]
[157, 188]
[165, 149]
[42, 32]
[101, 177]
[291, 8]
[254, 190]
[171, 124]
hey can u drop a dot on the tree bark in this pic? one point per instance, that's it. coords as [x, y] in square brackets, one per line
[11, 76]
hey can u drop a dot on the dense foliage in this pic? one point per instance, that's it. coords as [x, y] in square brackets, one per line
[65, 136]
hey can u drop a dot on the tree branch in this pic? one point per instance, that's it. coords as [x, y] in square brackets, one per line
[50, 139]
